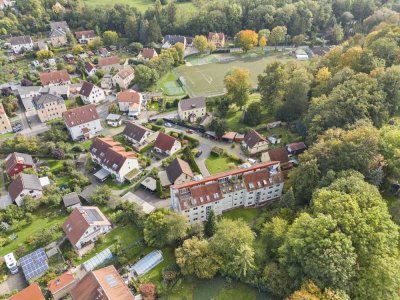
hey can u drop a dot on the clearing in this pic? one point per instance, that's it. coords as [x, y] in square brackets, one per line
[141, 5]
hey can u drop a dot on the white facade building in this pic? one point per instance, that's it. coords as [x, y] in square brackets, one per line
[91, 94]
[82, 122]
[21, 43]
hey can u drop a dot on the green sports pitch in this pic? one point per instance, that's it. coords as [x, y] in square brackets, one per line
[208, 79]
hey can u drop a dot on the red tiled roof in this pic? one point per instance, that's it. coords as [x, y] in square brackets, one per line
[32, 292]
[108, 61]
[80, 115]
[60, 282]
[126, 72]
[220, 35]
[128, 96]
[148, 53]
[296, 146]
[86, 88]
[54, 77]
[89, 67]
[164, 142]
[279, 154]
[15, 158]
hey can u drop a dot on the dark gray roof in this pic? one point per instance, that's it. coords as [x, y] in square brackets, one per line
[47, 98]
[173, 39]
[86, 88]
[192, 103]
[252, 138]
[71, 199]
[134, 131]
[176, 168]
[21, 40]
[63, 26]
[24, 181]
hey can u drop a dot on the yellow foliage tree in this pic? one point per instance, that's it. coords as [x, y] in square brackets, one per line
[247, 39]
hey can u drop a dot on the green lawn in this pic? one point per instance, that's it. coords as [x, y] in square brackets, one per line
[208, 79]
[246, 214]
[40, 221]
[86, 144]
[141, 5]
[217, 164]
[169, 85]
[6, 135]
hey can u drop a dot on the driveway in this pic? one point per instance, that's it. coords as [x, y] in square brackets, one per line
[14, 282]
[151, 198]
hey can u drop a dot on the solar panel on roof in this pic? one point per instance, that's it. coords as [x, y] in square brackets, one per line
[93, 215]
[34, 264]
[111, 280]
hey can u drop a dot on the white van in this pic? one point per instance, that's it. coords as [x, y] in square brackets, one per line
[11, 263]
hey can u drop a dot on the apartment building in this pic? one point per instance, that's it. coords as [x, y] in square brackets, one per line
[243, 187]
[50, 107]
[5, 125]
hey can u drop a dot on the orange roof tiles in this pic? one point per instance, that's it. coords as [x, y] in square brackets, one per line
[32, 292]
[60, 282]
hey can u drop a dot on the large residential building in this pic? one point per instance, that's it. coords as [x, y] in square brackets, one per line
[32, 292]
[166, 144]
[102, 284]
[49, 107]
[21, 43]
[192, 109]
[84, 37]
[58, 33]
[108, 63]
[5, 125]
[91, 94]
[55, 78]
[82, 122]
[26, 94]
[124, 77]
[25, 185]
[113, 158]
[16, 162]
[177, 172]
[84, 225]
[217, 38]
[138, 135]
[254, 142]
[246, 187]
[147, 53]
[130, 102]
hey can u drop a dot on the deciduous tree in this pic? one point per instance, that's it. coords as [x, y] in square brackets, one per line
[247, 39]
[201, 43]
[237, 84]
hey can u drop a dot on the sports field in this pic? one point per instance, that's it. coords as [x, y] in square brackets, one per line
[141, 5]
[208, 79]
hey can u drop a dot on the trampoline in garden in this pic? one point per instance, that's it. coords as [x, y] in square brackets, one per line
[147, 263]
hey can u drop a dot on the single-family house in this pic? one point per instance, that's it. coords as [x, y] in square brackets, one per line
[5, 124]
[296, 148]
[84, 225]
[103, 52]
[124, 77]
[113, 158]
[90, 69]
[177, 172]
[106, 82]
[32, 292]
[130, 102]
[60, 77]
[16, 162]
[216, 38]
[170, 40]
[254, 142]
[192, 109]
[166, 144]
[71, 200]
[108, 63]
[82, 122]
[25, 185]
[49, 107]
[21, 43]
[114, 120]
[138, 135]
[91, 94]
[277, 154]
[84, 37]
[147, 53]
[102, 284]
[58, 33]
[60, 286]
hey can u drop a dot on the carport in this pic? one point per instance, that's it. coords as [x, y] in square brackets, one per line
[102, 175]
[150, 183]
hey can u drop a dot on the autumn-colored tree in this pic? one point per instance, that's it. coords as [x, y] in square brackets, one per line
[237, 84]
[77, 49]
[211, 46]
[262, 42]
[148, 291]
[247, 39]
[44, 54]
[201, 43]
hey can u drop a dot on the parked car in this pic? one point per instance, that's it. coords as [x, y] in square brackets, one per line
[168, 125]
[189, 131]
[199, 153]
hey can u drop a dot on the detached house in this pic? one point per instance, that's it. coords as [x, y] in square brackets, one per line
[84, 225]
[124, 77]
[192, 109]
[58, 33]
[25, 185]
[130, 102]
[147, 53]
[32, 292]
[217, 38]
[278, 154]
[21, 43]
[55, 78]
[61, 285]
[113, 159]
[296, 148]
[138, 135]
[16, 162]
[82, 122]
[49, 107]
[177, 172]
[108, 63]
[91, 94]
[102, 284]
[166, 144]
[170, 40]
[84, 37]
[90, 69]
[254, 142]
[5, 125]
